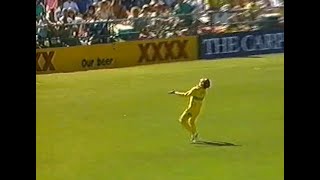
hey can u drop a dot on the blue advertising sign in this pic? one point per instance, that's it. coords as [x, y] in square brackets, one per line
[241, 44]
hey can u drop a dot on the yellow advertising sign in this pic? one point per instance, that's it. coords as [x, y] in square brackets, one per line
[80, 58]
[122, 54]
[157, 51]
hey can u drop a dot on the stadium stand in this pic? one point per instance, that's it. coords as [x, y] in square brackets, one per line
[64, 23]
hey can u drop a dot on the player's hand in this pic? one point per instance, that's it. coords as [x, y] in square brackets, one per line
[171, 92]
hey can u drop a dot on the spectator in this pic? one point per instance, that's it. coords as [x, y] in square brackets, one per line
[237, 15]
[58, 11]
[96, 5]
[51, 4]
[40, 10]
[71, 16]
[83, 5]
[183, 10]
[64, 18]
[77, 19]
[51, 17]
[72, 19]
[276, 3]
[139, 24]
[105, 12]
[149, 18]
[91, 12]
[170, 3]
[199, 5]
[128, 4]
[152, 8]
[139, 3]
[71, 4]
[153, 2]
[83, 28]
[54, 30]
[163, 9]
[146, 11]
[145, 19]
[88, 18]
[134, 13]
[222, 17]
[42, 31]
[159, 9]
[119, 10]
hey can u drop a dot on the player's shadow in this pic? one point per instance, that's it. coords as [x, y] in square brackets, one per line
[214, 143]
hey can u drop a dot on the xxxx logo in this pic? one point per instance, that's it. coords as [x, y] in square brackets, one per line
[163, 51]
[47, 57]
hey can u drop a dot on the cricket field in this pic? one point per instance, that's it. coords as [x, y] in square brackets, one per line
[120, 124]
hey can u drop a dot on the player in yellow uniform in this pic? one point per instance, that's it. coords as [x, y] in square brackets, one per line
[188, 117]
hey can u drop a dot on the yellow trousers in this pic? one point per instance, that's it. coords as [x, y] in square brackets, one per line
[188, 119]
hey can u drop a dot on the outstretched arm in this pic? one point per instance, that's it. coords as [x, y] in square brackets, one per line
[181, 93]
[188, 93]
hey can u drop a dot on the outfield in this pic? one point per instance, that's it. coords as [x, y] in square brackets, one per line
[120, 124]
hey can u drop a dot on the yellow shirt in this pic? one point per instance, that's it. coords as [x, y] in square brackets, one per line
[196, 95]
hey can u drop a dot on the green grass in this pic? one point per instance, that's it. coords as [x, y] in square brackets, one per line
[120, 124]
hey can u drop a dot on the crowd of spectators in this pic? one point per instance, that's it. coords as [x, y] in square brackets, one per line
[85, 22]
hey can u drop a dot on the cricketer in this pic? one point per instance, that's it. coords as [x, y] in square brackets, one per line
[196, 95]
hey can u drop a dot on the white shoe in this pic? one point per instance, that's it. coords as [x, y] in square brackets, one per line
[194, 138]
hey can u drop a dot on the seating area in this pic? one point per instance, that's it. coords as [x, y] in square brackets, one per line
[64, 23]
